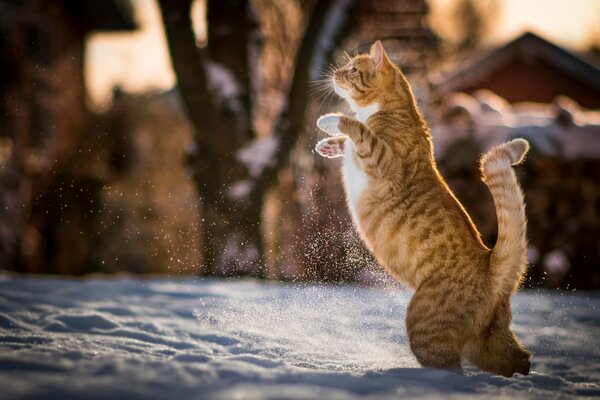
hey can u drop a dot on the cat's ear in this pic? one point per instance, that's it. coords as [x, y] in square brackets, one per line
[378, 55]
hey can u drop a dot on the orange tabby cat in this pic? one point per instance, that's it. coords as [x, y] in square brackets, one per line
[418, 230]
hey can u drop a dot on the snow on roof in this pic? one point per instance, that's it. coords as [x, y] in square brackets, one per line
[561, 129]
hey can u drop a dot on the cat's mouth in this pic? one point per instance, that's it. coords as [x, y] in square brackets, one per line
[340, 90]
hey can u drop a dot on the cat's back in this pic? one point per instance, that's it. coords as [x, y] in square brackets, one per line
[415, 226]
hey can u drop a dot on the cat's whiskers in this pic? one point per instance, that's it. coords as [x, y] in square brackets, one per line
[323, 88]
[322, 97]
[347, 56]
[320, 87]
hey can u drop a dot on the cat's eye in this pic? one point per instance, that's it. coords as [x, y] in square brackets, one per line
[353, 70]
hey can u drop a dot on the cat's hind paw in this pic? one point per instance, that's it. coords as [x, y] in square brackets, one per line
[331, 147]
[329, 123]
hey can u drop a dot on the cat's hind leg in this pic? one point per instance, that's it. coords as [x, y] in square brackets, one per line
[331, 147]
[500, 353]
[435, 333]
[497, 349]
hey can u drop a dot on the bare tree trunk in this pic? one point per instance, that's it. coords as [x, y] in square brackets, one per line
[215, 92]
[233, 169]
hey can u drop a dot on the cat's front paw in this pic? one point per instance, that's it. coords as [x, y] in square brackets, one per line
[329, 123]
[331, 148]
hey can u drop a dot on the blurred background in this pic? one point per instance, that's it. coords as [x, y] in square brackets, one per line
[176, 136]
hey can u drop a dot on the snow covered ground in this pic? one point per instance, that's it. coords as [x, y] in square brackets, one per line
[216, 339]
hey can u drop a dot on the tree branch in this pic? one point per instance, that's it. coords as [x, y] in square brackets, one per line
[328, 24]
[233, 38]
[189, 67]
[212, 88]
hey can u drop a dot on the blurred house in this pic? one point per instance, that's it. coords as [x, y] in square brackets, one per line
[532, 89]
[45, 128]
[528, 69]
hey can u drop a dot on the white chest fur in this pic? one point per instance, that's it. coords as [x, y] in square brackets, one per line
[355, 179]
[363, 113]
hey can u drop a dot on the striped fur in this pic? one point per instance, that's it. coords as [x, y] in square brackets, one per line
[509, 256]
[419, 231]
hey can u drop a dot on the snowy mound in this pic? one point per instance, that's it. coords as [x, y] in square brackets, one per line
[245, 339]
[562, 129]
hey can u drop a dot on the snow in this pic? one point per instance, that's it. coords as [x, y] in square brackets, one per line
[238, 252]
[240, 190]
[259, 154]
[556, 262]
[217, 339]
[561, 129]
[222, 80]
[224, 84]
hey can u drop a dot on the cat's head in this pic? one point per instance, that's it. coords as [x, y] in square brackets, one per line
[365, 78]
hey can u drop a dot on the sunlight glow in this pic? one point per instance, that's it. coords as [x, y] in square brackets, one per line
[140, 61]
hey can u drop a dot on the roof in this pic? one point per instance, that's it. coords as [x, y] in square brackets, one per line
[528, 47]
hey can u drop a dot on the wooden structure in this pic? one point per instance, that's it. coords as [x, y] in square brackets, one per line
[528, 69]
[402, 27]
[42, 110]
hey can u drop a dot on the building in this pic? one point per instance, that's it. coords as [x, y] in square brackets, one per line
[402, 27]
[535, 90]
[528, 69]
[43, 117]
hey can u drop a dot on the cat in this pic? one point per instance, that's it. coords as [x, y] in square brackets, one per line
[417, 229]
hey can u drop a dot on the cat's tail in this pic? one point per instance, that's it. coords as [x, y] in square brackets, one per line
[509, 257]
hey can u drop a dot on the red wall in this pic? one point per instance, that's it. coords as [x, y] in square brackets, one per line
[538, 81]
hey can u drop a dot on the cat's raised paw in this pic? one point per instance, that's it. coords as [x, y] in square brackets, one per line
[330, 148]
[329, 123]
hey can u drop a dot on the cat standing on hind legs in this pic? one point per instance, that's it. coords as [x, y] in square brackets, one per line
[417, 229]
